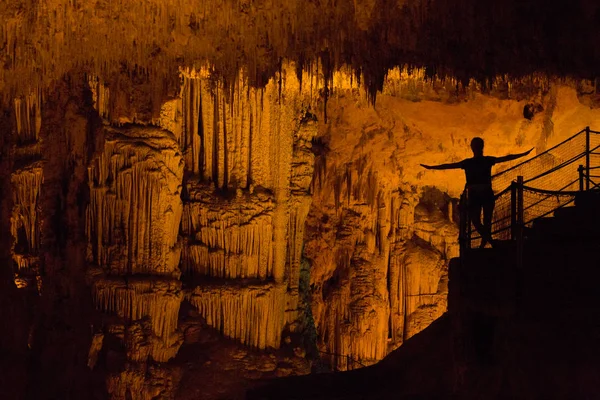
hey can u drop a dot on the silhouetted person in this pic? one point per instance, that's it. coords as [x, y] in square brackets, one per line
[480, 194]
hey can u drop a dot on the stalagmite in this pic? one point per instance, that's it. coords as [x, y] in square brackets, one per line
[133, 234]
[135, 299]
[381, 287]
[418, 289]
[300, 202]
[142, 383]
[95, 348]
[378, 265]
[354, 323]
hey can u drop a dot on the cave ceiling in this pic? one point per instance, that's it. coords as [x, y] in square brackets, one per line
[41, 41]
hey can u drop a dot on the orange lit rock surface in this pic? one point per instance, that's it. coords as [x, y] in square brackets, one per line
[132, 227]
[246, 199]
[135, 205]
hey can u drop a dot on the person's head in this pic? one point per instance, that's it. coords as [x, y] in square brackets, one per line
[477, 146]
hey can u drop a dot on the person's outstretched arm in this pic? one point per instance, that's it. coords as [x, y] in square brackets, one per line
[511, 157]
[457, 165]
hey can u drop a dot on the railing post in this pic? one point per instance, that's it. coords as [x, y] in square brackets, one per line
[580, 170]
[520, 222]
[468, 219]
[464, 235]
[513, 210]
[519, 227]
[587, 158]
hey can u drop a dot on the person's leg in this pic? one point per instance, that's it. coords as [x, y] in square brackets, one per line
[475, 217]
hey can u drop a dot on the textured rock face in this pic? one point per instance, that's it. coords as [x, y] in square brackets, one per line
[246, 199]
[215, 200]
[252, 314]
[154, 37]
[376, 282]
[156, 301]
[417, 289]
[230, 239]
[25, 223]
[26, 181]
[210, 209]
[135, 206]
[132, 227]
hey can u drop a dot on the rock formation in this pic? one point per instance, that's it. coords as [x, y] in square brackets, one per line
[132, 227]
[216, 199]
[379, 275]
[246, 199]
[26, 182]
[135, 205]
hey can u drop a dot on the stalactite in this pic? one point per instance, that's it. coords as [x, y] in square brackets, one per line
[246, 134]
[25, 263]
[132, 225]
[100, 96]
[229, 239]
[135, 206]
[417, 294]
[355, 327]
[26, 188]
[258, 143]
[300, 201]
[135, 299]
[29, 117]
[252, 314]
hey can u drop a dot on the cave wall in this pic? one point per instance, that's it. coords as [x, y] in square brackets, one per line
[215, 193]
[205, 202]
[48, 170]
[13, 341]
[250, 164]
[116, 202]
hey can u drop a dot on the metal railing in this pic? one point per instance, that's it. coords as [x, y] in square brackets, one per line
[538, 187]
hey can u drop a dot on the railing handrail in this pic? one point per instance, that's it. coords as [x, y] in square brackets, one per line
[560, 166]
[541, 154]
